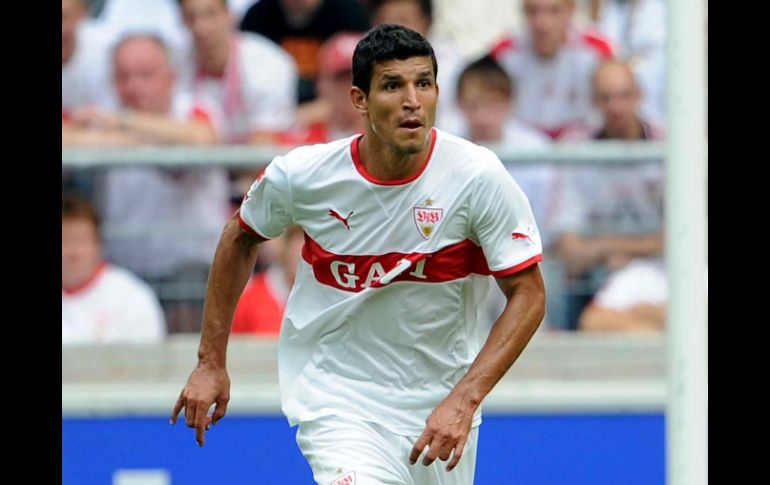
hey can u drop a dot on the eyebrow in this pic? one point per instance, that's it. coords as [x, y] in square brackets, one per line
[398, 77]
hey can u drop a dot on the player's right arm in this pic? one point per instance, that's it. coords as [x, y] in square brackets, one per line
[209, 383]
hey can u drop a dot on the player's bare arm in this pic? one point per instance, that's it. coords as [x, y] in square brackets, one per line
[449, 424]
[209, 383]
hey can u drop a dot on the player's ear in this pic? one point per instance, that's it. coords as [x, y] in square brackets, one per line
[358, 98]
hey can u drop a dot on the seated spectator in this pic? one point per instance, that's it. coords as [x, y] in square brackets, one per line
[150, 111]
[633, 299]
[637, 32]
[252, 80]
[260, 309]
[300, 27]
[100, 302]
[608, 215]
[335, 76]
[552, 66]
[617, 96]
[162, 224]
[418, 16]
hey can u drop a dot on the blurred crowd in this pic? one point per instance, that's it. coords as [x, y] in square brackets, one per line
[137, 241]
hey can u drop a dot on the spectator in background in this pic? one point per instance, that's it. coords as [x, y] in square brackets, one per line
[418, 16]
[552, 66]
[487, 98]
[86, 68]
[617, 95]
[100, 303]
[252, 80]
[260, 309]
[150, 112]
[163, 224]
[300, 27]
[633, 299]
[335, 76]
[608, 215]
[636, 30]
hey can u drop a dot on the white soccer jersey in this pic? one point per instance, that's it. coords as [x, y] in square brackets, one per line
[555, 92]
[257, 93]
[114, 306]
[382, 320]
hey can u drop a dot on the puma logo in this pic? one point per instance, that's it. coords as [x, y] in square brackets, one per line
[343, 220]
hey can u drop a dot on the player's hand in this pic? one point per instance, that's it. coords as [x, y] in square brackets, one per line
[208, 384]
[446, 430]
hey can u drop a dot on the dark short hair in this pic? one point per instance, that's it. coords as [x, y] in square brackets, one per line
[491, 73]
[426, 6]
[76, 207]
[384, 43]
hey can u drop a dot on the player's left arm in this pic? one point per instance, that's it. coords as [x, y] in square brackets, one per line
[449, 425]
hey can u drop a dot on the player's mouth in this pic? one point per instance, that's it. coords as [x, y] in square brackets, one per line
[411, 125]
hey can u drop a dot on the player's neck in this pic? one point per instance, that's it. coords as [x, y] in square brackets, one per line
[384, 163]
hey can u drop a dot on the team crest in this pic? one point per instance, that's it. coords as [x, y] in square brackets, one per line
[426, 217]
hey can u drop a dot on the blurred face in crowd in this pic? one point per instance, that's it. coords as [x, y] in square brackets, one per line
[400, 109]
[617, 95]
[485, 108]
[81, 250]
[143, 76]
[403, 12]
[72, 12]
[209, 22]
[299, 9]
[335, 88]
[548, 22]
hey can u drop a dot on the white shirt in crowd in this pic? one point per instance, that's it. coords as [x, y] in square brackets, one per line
[257, 93]
[114, 306]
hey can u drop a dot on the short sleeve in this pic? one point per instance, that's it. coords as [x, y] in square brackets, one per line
[502, 222]
[266, 208]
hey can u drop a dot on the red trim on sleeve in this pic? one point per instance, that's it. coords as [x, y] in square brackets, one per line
[73, 290]
[599, 43]
[371, 178]
[515, 269]
[250, 229]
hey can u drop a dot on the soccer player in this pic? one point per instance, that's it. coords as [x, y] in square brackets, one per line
[379, 355]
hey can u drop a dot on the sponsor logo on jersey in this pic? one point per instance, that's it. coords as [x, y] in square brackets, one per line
[347, 479]
[426, 217]
[523, 233]
[343, 220]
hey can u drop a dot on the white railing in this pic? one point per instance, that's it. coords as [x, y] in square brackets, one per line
[245, 156]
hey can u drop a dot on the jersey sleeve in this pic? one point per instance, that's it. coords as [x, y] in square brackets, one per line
[266, 208]
[502, 222]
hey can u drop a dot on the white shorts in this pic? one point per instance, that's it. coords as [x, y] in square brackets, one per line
[346, 452]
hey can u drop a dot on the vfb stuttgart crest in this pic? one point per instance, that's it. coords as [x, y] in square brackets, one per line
[426, 218]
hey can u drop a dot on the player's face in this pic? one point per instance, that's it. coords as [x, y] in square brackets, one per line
[81, 250]
[209, 22]
[485, 108]
[401, 106]
[617, 96]
[143, 76]
[548, 22]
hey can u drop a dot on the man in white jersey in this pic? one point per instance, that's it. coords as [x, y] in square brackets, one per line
[379, 352]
